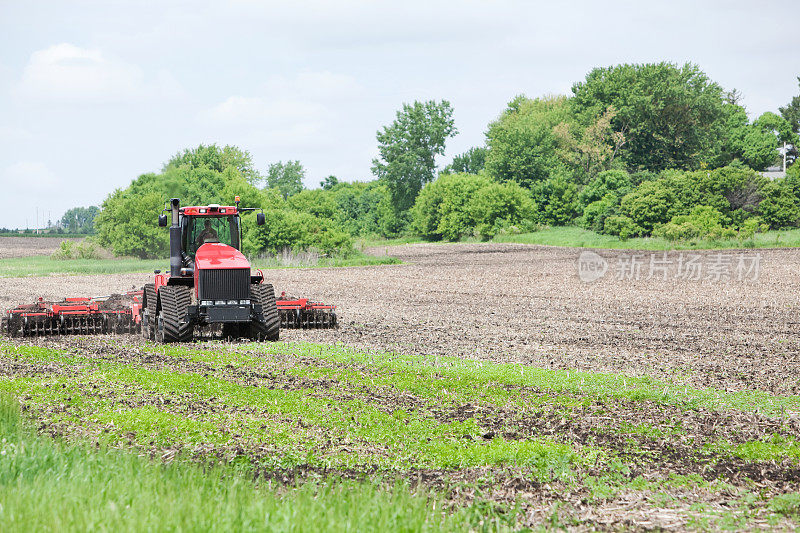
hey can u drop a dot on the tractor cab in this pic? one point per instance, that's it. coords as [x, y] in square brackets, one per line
[200, 225]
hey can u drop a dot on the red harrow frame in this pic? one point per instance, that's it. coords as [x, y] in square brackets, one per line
[121, 313]
[118, 313]
[302, 313]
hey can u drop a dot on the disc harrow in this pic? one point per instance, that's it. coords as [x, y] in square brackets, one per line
[302, 313]
[118, 313]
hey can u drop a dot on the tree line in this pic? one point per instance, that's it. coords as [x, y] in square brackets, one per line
[634, 150]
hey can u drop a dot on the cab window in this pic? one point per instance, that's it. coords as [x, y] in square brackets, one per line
[200, 230]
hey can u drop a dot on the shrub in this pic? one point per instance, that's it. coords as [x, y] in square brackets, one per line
[778, 206]
[649, 205]
[72, 250]
[127, 224]
[501, 208]
[751, 226]
[442, 208]
[703, 222]
[317, 202]
[458, 205]
[290, 230]
[556, 201]
[617, 182]
[622, 226]
[596, 213]
[65, 251]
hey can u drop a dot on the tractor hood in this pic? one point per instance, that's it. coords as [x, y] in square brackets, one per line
[219, 255]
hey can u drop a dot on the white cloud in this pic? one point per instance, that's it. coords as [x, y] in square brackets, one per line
[65, 72]
[267, 111]
[323, 85]
[306, 97]
[29, 177]
[300, 112]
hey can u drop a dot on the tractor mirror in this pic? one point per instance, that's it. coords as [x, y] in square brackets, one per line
[162, 221]
[260, 219]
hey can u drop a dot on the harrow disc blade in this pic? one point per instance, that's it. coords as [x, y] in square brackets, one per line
[308, 318]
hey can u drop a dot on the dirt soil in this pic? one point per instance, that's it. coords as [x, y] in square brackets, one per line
[524, 303]
[29, 246]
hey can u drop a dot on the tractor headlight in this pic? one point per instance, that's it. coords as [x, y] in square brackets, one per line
[233, 302]
[219, 302]
[244, 302]
[206, 303]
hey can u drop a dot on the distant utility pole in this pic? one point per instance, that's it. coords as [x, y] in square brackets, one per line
[784, 156]
[37, 220]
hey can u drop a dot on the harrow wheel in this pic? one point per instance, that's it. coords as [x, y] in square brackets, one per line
[269, 328]
[172, 324]
[149, 304]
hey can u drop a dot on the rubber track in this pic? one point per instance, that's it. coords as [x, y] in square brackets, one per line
[174, 303]
[270, 328]
[150, 302]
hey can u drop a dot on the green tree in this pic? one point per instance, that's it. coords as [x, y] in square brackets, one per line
[127, 223]
[470, 162]
[754, 146]
[329, 182]
[79, 219]
[592, 149]
[408, 148]
[217, 159]
[671, 117]
[286, 177]
[522, 143]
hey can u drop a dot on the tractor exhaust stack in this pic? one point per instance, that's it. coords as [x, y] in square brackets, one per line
[175, 261]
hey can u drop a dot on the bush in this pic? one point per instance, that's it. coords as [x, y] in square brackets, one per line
[442, 208]
[290, 230]
[556, 201]
[778, 206]
[648, 206]
[72, 250]
[316, 202]
[751, 226]
[127, 225]
[501, 208]
[622, 226]
[595, 214]
[617, 182]
[66, 250]
[704, 222]
[458, 205]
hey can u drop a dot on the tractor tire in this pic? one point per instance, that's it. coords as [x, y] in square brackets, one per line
[173, 324]
[269, 328]
[149, 305]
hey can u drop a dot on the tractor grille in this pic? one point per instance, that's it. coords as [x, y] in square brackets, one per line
[224, 284]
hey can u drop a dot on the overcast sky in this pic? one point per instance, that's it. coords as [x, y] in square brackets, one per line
[92, 94]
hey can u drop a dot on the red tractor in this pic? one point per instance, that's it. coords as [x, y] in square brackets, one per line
[209, 281]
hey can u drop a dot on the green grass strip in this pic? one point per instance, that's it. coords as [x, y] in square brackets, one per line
[50, 486]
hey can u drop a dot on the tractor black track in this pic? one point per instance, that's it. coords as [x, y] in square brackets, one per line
[269, 329]
[175, 301]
